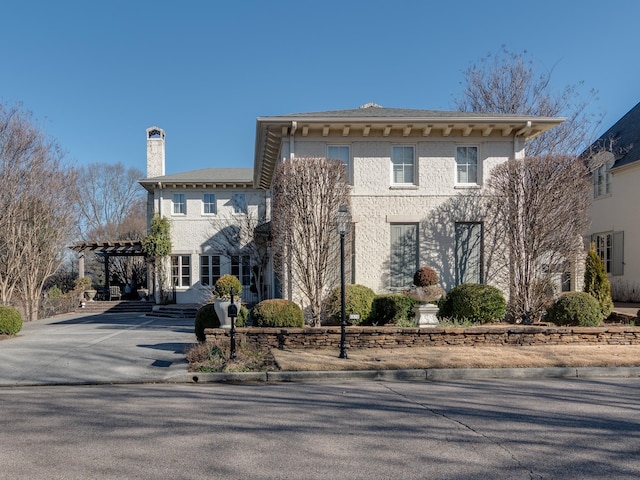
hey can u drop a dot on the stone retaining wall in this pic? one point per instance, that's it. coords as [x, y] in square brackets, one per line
[391, 337]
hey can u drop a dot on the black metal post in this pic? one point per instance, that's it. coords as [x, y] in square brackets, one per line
[233, 313]
[343, 320]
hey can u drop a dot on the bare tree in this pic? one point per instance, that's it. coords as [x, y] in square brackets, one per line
[539, 206]
[508, 83]
[244, 236]
[36, 214]
[307, 193]
[107, 194]
[112, 206]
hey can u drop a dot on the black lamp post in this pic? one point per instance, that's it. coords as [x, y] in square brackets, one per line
[343, 223]
[232, 311]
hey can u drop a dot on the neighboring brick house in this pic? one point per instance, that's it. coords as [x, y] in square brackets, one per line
[204, 208]
[615, 229]
[415, 176]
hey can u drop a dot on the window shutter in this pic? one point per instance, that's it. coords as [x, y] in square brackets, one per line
[617, 267]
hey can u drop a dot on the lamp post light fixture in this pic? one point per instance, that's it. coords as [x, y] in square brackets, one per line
[343, 224]
[232, 312]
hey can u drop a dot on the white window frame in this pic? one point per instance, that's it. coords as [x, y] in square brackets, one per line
[237, 210]
[178, 277]
[179, 204]
[211, 204]
[347, 162]
[467, 164]
[241, 269]
[602, 181]
[210, 269]
[404, 165]
[604, 248]
[410, 266]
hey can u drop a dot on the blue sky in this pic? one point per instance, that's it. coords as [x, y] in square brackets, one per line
[97, 74]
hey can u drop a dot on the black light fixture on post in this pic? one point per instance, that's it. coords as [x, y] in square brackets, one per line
[232, 311]
[343, 224]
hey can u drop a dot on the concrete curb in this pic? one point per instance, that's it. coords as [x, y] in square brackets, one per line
[434, 374]
[343, 376]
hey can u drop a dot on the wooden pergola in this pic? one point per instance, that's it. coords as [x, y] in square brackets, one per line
[118, 248]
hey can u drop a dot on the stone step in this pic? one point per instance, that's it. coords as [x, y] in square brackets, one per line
[123, 306]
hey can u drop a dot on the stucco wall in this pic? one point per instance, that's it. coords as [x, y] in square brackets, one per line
[619, 212]
[435, 202]
[196, 233]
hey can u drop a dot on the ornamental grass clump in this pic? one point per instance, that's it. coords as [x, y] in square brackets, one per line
[277, 313]
[10, 320]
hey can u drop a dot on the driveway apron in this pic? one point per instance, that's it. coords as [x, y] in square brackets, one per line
[104, 348]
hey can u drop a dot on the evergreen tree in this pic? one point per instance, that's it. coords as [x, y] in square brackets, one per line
[596, 282]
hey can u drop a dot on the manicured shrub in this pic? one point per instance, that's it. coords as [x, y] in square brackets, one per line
[575, 308]
[83, 283]
[596, 282]
[10, 320]
[54, 292]
[225, 283]
[243, 317]
[425, 276]
[358, 300]
[475, 302]
[277, 313]
[206, 317]
[392, 308]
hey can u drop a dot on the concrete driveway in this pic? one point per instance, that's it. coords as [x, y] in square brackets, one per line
[104, 348]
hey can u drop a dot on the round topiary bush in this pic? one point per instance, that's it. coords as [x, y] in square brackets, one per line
[10, 320]
[425, 276]
[223, 286]
[391, 308]
[206, 317]
[358, 299]
[575, 308]
[277, 313]
[475, 302]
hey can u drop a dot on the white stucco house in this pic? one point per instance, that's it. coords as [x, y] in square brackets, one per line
[414, 175]
[615, 229]
[209, 211]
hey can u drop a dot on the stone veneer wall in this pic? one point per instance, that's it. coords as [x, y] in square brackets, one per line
[391, 337]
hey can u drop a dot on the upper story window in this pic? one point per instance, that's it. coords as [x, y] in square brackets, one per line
[239, 203]
[179, 204]
[602, 181]
[209, 203]
[403, 164]
[343, 153]
[467, 165]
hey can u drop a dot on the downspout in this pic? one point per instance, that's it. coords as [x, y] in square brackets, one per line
[292, 155]
[160, 200]
[292, 143]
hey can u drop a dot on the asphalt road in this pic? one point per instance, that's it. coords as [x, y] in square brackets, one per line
[80, 349]
[490, 429]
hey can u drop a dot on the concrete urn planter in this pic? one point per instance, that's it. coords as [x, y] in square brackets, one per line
[222, 308]
[90, 294]
[425, 312]
[426, 315]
